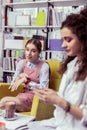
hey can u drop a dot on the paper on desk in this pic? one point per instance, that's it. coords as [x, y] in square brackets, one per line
[21, 120]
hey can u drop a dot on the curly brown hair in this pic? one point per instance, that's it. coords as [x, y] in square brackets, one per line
[77, 23]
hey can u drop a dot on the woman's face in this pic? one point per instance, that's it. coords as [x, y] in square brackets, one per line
[31, 52]
[71, 43]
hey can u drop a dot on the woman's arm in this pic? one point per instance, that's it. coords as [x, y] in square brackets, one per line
[17, 78]
[17, 83]
[74, 110]
[44, 75]
[50, 96]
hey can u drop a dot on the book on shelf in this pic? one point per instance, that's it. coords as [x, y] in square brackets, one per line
[54, 55]
[41, 19]
[9, 63]
[6, 63]
[7, 53]
[59, 17]
[21, 54]
[7, 77]
[55, 17]
[55, 45]
[17, 54]
[23, 20]
[13, 53]
[14, 64]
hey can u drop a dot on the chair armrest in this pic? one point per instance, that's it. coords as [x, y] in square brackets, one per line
[34, 108]
[40, 109]
[4, 90]
[45, 111]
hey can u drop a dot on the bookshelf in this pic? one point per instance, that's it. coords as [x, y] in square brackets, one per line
[41, 21]
[37, 25]
[10, 59]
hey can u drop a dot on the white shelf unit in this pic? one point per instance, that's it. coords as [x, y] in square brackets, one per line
[24, 5]
[68, 2]
[43, 4]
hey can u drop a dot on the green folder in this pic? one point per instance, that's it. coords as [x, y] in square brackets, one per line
[41, 19]
[17, 53]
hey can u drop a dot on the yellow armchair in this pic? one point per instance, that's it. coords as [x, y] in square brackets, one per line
[45, 111]
[39, 110]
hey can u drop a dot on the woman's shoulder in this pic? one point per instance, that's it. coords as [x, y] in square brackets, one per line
[45, 64]
[72, 63]
[42, 63]
[21, 62]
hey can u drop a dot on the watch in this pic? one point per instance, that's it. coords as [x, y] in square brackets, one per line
[68, 107]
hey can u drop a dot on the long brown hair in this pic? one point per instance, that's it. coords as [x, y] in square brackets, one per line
[77, 23]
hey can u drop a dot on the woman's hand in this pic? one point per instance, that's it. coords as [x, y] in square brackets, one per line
[14, 86]
[50, 96]
[23, 75]
[20, 79]
[47, 95]
[4, 100]
[2, 103]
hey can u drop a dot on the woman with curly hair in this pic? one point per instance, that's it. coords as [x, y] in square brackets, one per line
[71, 99]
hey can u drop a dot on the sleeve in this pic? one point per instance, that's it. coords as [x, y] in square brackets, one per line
[19, 69]
[84, 108]
[84, 119]
[44, 75]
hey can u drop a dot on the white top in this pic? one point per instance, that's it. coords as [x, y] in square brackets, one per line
[75, 93]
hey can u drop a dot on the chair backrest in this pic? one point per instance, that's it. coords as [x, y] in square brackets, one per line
[55, 77]
[44, 110]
